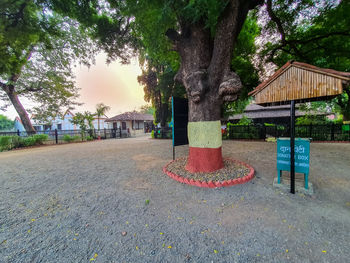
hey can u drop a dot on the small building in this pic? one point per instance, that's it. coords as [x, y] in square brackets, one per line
[18, 124]
[60, 123]
[270, 114]
[135, 121]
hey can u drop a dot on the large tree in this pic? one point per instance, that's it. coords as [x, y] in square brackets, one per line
[203, 35]
[38, 49]
[159, 86]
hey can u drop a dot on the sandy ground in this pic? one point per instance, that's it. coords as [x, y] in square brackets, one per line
[70, 203]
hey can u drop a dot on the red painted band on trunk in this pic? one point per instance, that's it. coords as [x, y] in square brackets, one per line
[204, 160]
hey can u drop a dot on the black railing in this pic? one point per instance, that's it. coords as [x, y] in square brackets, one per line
[331, 132]
[162, 133]
[63, 136]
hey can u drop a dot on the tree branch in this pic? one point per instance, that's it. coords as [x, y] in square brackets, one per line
[32, 89]
[277, 21]
[4, 87]
[228, 27]
[294, 42]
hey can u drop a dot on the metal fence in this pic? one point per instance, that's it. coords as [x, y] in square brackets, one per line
[65, 136]
[331, 132]
[163, 133]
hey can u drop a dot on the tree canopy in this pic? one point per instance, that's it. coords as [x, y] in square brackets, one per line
[190, 41]
[38, 48]
[101, 110]
[6, 124]
[314, 32]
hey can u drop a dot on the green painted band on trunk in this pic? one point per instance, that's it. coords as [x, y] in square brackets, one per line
[205, 134]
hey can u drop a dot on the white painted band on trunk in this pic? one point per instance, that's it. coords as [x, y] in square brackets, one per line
[205, 134]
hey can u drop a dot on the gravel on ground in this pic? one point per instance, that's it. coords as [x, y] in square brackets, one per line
[231, 170]
[109, 201]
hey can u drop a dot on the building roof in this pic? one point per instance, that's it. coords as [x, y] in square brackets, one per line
[131, 116]
[254, 111]
[301, 82]
[18, 119]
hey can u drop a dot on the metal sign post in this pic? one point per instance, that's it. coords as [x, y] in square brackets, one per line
[292, 143]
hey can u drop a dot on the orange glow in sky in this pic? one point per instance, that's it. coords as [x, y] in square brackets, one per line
[115, 85]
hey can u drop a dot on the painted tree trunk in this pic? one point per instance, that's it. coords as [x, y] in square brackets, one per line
[206, 74]
[11, 93]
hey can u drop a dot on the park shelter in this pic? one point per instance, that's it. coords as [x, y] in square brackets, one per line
[299, 82]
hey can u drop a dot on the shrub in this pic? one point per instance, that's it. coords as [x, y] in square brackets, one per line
[244, 121]
[17, 142]
[40, 138]
[5, 143]
[89, 138]
[152, 134]
[29, 141]
[68, 138]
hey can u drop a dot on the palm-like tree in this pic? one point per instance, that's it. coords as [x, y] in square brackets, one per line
[101, 110]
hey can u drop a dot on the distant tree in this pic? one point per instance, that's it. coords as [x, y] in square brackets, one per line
[38, 48]
[101, 110]
[89, 118]
[84, 120]
[147, 109]
[159, 85]
[6, 123]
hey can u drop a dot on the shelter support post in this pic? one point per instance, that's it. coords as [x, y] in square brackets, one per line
[292, 143]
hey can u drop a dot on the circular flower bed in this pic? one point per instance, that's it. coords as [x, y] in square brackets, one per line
[234, 172]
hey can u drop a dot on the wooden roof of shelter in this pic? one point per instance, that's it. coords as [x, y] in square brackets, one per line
[300, 82]
[131, 116]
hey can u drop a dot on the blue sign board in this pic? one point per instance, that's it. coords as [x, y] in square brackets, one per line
[301, 156]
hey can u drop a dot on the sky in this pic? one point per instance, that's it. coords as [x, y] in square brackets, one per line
[115, 85]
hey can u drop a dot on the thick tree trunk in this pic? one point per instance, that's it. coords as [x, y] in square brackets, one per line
[164, 111]
[205, 73]
[204, 136]
[11, 93]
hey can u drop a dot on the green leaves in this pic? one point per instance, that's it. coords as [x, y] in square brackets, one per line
[316, 32]
[84, 120]
[6, 123]
[38, 50]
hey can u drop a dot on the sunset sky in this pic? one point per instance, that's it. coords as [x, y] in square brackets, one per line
[115, 85]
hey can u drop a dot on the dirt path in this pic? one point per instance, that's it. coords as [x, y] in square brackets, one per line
[70, 203]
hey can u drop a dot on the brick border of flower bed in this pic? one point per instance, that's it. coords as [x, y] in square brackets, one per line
[212, 184]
